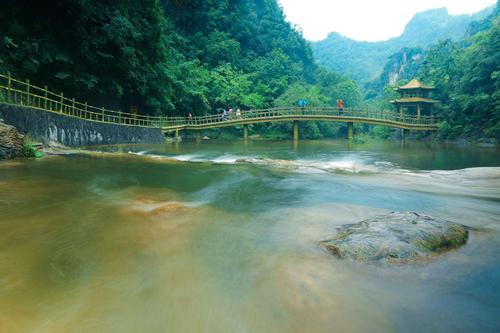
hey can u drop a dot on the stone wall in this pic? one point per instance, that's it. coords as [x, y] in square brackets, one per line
[47, 126]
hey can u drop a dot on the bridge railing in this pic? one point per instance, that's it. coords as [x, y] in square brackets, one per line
[276, 113]
[23, 93]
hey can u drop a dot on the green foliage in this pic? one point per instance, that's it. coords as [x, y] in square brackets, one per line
[171, 57]
[467, 82]
[382, 132]
[28, 149]
[165, 57]
[466, 77]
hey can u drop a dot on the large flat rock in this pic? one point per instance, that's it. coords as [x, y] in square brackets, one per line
[396, 237]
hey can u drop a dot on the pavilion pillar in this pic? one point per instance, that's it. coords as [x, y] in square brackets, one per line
[418, 111]
[350, 131]
[400, 110]
[295, 130]
[245, 132]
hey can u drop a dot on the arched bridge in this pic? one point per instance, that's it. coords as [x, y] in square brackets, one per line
[296, 114]
[22, 93]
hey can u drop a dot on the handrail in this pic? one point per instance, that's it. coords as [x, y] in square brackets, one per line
[23, 93]
[309, 113]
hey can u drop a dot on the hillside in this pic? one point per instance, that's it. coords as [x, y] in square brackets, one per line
[162, 56]
[364, 61]
[465, 74]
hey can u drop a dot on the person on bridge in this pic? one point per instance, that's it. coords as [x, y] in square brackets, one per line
[224, 115]
[190, 117]
[340, 105]
[238, 113]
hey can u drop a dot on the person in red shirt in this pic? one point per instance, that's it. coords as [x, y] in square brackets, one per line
[340, 105]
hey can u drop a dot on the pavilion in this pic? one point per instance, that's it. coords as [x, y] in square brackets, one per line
[414, 99]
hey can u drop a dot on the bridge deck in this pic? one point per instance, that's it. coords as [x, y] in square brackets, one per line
[375, 117]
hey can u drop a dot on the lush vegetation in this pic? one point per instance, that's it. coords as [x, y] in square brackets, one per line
[465, 74]
[167, 57]
[364, 61]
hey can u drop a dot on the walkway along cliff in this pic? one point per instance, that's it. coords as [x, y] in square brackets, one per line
[48, 116]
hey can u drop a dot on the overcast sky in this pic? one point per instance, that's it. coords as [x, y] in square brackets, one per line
[370, 20]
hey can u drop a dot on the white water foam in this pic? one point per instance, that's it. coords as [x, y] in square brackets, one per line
[343, 166]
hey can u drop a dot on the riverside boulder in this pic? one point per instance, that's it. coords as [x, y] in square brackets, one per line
[396, 238]
[11, 141]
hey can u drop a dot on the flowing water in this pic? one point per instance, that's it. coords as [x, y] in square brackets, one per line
[223, 237]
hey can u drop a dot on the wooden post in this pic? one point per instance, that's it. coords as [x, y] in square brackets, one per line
[62, 101]
[102, 119]
[350, 131]
[295, 130]
[85, 116]
[27, 92]
[9, 82]
[45, 94]
[73, 106]
[245, 132]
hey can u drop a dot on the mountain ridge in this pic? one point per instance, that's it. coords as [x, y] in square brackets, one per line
[365, 60]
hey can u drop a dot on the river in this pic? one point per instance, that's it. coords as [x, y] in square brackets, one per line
[223, 237]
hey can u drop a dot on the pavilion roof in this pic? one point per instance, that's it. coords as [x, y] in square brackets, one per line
[415, 84]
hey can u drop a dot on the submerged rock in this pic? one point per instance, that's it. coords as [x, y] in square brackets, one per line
[11, 141]
[396, 237]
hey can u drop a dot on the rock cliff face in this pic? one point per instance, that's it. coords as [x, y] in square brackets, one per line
[402, 65]
[11, 141]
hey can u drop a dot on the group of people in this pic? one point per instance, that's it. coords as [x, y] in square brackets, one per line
[228, 113]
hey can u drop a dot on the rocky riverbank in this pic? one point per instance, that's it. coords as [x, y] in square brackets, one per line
[11, 142]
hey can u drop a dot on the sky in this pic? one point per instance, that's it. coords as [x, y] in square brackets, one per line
[370, 20]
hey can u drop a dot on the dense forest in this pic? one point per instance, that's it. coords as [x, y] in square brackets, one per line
[166, 57]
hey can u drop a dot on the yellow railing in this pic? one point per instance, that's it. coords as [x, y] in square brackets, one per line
[23, 93]
[308, 113]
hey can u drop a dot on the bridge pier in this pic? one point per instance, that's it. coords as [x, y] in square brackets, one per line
[406, 135]
[176, 134]
[245, 132]
[350, 131]
[295, 130]
[198, 135]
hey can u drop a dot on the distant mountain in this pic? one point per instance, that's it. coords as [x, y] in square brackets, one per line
[364, 61]
[406, 63]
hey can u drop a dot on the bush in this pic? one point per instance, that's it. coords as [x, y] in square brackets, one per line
[29, 149]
